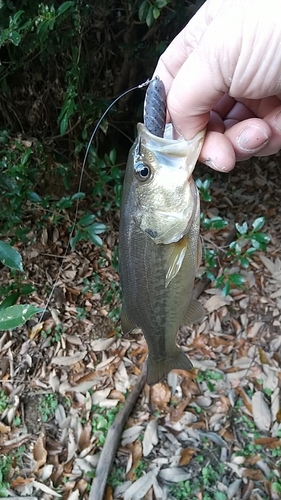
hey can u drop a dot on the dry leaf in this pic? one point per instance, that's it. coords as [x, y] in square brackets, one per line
[160, 396]
[150, 437]
[136, 456]
[69, 360]
[261, 412]
[84, 439]
[40, 452]
[140, 487]
[186, 455]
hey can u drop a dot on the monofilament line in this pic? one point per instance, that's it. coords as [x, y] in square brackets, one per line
[142, 85]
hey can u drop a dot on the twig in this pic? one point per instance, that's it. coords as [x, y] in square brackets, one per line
[112, 440]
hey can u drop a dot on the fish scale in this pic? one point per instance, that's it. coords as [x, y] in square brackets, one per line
[159, 245]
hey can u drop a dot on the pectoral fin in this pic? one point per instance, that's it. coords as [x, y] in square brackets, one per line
[176, 259]
[126, 324]
[194, 314]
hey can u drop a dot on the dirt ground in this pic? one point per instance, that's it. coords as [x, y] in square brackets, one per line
[211, 433]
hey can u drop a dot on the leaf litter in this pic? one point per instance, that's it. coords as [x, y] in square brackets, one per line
[213, 432]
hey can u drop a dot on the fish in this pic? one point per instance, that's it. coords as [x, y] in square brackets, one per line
[159, 242]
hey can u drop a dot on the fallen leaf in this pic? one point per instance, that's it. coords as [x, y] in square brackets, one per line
[186, 455]
[69, 360]
[261, 412]
[150, 437]
[160, 396]
[40, 452]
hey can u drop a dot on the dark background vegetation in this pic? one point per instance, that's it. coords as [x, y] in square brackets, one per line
[62, 63]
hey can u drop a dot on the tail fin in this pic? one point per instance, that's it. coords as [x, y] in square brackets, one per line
[157, 370]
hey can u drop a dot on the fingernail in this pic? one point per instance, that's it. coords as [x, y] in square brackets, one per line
[211, 164]
[277, 121]
[252, 139]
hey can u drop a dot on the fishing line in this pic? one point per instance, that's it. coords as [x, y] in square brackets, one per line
[142, 85]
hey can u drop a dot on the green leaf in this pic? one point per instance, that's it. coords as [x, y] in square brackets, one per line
[42, 29]
[243, 228]
[261, 237]
[15, 37]
[34, 197]
[86, 220]
[219, 495]
[64, 124]
[226, 289]
[112, 156]
[10, 257]
[95, 239]
[14, 19]
[15, 316]
[236, 279]
[143, 10]
[244, 262]
[97, 227]
[64, 6]
[276, 487]
[258, 223]
[149, 17]
[78, 196]
[78, 236]
[10, 300]
[27, 289]
[156, 12]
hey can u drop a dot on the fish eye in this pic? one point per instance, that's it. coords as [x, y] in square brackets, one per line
[142, 171]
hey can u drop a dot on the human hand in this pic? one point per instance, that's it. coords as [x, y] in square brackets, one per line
[223, 70]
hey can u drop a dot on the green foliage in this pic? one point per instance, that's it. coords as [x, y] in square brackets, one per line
[5, 465]
[15, 316]
[10, 257]
[204, 483]
[13, 459]
[3, 401]
[204, 189]
[117, 477]
[110, 292]
[102, 418]
[248, 241]
[12, 316]
[209, 376]
[149, 10]
[140, 469]
[48, 406]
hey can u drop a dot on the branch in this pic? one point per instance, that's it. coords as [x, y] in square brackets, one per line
[112, 440]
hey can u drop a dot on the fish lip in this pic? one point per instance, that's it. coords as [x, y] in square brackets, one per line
[167, 144]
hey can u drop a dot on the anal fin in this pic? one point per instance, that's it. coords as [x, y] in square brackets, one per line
[195, 313]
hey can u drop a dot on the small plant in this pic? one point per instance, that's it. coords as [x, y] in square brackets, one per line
[204, 189]
[11, 315]
[13, 459]
[208, 376]
[5, 465]
[3, 401]
[141, 467]
[248, 241]
[184, 490]
[48, 407]
[116, 477]
[102, 419]
[150, 10]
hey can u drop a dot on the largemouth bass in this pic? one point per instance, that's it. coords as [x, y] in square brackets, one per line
[159, 246]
